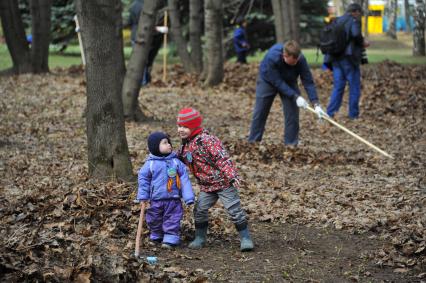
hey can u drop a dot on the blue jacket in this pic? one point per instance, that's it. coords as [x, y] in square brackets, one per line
[353, 31]
[240, 40]
[284, 77]
[154, 175]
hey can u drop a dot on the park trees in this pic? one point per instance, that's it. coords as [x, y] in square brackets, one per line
[138, 60]
[393, 6]
[419, 29]
[287, 19]
[213, 26]
[101, 26]
[24, 58]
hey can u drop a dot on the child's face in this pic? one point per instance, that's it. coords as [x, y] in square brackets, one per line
[184, 132]
[165, 146]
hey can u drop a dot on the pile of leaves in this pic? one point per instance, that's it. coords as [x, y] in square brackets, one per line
[58, 225]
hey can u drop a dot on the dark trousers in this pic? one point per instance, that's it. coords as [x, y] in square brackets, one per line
[242, 57]
[344, 71]
[265, 95]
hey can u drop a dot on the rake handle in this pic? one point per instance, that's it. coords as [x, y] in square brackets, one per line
[140, 229]
[352, 134]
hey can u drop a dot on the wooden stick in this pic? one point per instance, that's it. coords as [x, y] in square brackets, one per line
[80, 42]
[165, 49]
[140, 229]
[352, 134]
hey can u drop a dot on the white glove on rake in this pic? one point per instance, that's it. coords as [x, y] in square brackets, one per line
[301, 102]
[321, 113]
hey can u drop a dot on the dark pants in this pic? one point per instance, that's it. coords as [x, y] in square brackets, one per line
[163, 219]
[344, 71]
[242, 57]
[265, 95]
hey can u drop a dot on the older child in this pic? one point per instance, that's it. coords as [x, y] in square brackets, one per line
[216, 174]
[163, 180]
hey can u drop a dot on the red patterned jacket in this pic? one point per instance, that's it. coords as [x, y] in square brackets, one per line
[209, 161]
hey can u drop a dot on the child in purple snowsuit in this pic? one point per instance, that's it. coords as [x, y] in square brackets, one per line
[163, 180]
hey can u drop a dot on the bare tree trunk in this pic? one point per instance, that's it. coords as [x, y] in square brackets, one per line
[138, 60]
[340, 6]
[214, 14]
[393, 5]
[419, 29]
[40, 19]
[366, 12]
[294, 14]
[13, 30]
[278, 20]
[101, 26]
[407, 15]
[195, 31]
[176, 32]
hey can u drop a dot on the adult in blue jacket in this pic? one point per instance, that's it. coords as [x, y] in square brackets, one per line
[241, 45]
[163, 180]
[346, 67]
[279, 71]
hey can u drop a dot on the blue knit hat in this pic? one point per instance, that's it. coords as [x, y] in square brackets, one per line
[154, 140]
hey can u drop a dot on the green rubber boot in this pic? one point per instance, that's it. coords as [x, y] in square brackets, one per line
[200, 238]
[246, 242]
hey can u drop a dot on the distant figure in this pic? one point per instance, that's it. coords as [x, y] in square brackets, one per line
[240, 40]
[346, 67]
[157, 40]
[279, 72]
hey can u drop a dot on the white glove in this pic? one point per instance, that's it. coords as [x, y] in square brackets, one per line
[320, 112]
[301, 102]
[162, 29]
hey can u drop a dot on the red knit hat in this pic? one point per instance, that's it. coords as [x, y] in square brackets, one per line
[190, 118]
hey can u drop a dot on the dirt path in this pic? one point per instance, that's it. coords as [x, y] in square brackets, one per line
[284, 253]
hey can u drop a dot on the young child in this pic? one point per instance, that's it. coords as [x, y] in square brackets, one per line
[163, 180]
[216, 174]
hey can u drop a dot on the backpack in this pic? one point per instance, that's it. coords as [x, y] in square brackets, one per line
[333, 38]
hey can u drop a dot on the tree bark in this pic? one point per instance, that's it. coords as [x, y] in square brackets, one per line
[101, 31]
[366, 12]
[138, 60]
[214, 29]
[176, 31]
[40, 21]
[278, 20]
[391, 32]
[419, 29]
[407, 15]
[293, 9]
[195, 32]
[14, 32]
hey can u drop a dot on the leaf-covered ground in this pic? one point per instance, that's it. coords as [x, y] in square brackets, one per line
[331, 210]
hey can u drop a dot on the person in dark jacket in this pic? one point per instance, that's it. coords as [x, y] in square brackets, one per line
[241, 45]
[346, 68]
[157, 39]
[279, 71]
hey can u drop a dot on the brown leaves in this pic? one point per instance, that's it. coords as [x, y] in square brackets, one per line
[55, 225]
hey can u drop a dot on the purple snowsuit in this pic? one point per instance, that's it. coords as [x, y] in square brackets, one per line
[165, 212]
